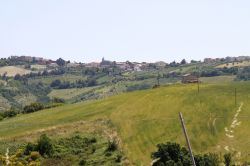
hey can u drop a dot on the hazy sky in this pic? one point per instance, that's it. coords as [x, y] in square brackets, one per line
[136, 30]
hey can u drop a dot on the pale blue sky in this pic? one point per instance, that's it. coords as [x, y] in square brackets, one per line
[135, 30]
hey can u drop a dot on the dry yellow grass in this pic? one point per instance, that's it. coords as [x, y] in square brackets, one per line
[11, 71]
[234, 64]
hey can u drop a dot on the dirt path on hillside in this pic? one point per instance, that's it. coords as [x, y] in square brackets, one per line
[7, 157]
[214, 125]
[229, 132]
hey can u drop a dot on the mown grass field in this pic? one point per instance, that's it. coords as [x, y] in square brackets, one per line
[146, 118]
[67, 94]
[13, 70]
[217, 79]
[66, 77]
[38, 67]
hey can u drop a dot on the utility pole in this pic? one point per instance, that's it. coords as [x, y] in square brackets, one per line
[158, 79]
[198, 80]
[235, 97]
[198, 83]
[187, 139]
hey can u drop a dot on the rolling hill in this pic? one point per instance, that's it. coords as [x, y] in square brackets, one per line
[234, 64]
[146, 118]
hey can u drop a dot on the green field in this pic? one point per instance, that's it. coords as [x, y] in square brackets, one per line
[38, 67]
[66, 77]
[67, 94]
[145, 118]
[217, 79]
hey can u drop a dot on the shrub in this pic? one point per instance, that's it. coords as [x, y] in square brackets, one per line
[227, 159]
[93, 140]
[112, 146]
[169, 152]
[214, 159]
[173, 154]
[19, 153]
[108, 154]
[118, 158]
[138, 87]
[33, 107]
[156, 86]
[55, 83]
[11, 113]
[58, 100]
[82, 162]
[44, 146]
[1, 117]
[91, 82]
[29, 148]
[207, 159]
[34, 155]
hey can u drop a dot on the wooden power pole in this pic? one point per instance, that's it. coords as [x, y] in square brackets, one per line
[198, 83]
[187, 139]
[235, 97]
[158, 79]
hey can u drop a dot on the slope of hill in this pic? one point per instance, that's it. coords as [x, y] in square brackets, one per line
[13, 70]
[146, 118]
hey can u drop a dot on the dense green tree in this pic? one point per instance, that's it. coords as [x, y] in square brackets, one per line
[60, 62]
[33, 107]
[183, 62]
[17, 77]
[29, 148]
[45, 146]
[55, 83]
[171, 153]
[10, 113]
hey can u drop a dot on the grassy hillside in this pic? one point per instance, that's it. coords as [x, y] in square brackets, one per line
[13, 70]
[68, 93]
[145, 118]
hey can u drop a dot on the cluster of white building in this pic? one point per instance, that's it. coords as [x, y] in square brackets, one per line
[126, 66]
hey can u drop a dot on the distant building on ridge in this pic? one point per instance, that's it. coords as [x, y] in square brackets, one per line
[189, 78]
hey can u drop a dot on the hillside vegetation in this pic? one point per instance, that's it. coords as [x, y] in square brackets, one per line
[235, 64]
[146, 118]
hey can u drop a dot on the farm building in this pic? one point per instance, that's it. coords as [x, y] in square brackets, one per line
[189, 78]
